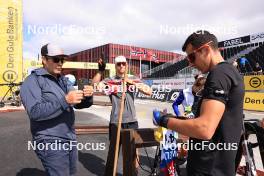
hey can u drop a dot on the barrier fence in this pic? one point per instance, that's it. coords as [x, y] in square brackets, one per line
[169, 90]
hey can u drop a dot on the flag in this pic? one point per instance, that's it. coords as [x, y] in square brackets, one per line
[155, 58]
[152, 57]
[149, 55]
[169, 151]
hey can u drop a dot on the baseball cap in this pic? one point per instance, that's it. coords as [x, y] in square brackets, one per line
[120, 59]
[52, 50]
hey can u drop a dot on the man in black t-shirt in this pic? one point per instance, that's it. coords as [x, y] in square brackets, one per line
[216, 130]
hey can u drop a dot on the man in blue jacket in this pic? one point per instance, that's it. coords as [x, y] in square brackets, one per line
[49, 100]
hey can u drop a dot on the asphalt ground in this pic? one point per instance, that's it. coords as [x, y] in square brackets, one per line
[16, 159]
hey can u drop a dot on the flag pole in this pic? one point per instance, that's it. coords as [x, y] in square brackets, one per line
[120, 117]
[140, 75]
[129, 59]
[150, 64]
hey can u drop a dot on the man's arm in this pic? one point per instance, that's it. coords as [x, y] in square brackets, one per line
[96, 82]
[97, 78]
[101, 68]
[212, 109]
[38, 108]
[205, 125]
[145, 89]
[177, 102]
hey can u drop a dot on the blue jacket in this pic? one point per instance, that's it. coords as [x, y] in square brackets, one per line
[185, 98]
[177, 102]
[243, 61]
[43, 97]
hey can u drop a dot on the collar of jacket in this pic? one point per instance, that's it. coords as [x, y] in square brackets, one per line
[41, 71]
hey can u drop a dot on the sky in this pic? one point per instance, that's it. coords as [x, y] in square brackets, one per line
[77, 25]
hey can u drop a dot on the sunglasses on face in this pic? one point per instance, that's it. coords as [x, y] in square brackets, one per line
[121, 63]
[191, 57]
[57, 59]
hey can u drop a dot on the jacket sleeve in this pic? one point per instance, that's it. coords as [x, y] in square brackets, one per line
[85, 103]
[36, 106]
[177, 102]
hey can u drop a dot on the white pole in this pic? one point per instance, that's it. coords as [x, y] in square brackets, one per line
[150, 65]
[129, 59]
[140, 75]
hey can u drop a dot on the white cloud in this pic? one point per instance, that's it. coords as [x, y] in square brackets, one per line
[136, 22]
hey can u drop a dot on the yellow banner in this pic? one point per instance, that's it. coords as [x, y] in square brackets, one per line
[29, 65]
[254, 101]
[89, 65]
[254, 82]
[11, 42]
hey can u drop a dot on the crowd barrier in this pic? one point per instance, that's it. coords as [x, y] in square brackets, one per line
[253, 100]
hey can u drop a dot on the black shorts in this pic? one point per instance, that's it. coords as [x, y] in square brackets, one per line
[113, 127]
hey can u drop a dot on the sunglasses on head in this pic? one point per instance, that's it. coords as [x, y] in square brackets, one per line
[121, 63]
[191, 57]
[57, 59]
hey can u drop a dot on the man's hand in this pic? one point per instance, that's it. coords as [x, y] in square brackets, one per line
[130, 81]
[160, 118]
[88, 91]
[101, 65]
[74, 97]
[145, 89]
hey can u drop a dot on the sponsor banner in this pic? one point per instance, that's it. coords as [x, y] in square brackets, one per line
[89, 65]
[159, 95]
[254, 82]
[234, 42]
[142, 96]
[148, 82]
[156, 95]
[254, 101]
[170, 83]
[30, 64]
[172, 96]
[257, 38]
[11, 42]
[169, 96]
[189, 82]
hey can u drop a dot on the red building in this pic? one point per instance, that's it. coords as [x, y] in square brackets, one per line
[132, 53]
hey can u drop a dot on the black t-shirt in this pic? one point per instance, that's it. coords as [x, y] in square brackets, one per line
[223, 84]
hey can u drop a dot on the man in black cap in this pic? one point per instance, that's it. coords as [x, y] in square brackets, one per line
[49, 99]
